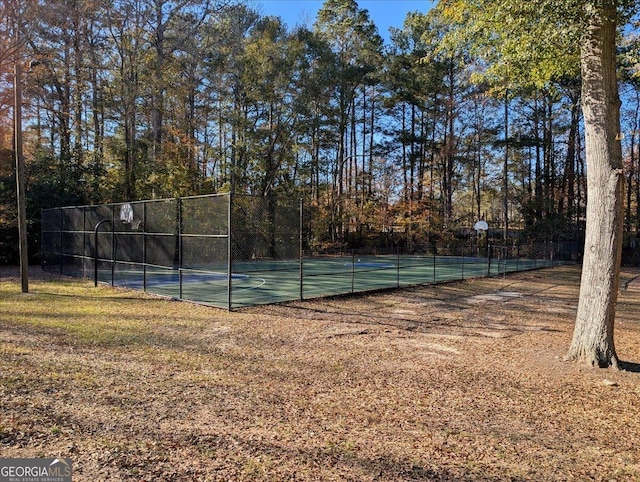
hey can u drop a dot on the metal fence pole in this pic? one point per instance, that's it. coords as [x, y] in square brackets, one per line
[301, 248]
[398, 265]
[61, 247]
[95, 249]
[179, 207]
[353, 270]
[84, 240]
[113, 244]
[144, 246]
[229, 251]
[434, 263]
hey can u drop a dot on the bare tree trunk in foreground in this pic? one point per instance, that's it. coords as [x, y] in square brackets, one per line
[593, 341]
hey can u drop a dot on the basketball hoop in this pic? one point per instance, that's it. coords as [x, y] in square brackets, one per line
[481, 226]
[126, 213]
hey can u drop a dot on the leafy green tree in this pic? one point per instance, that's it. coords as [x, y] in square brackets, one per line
[630, 57]
[134, 99]
[226, 93]
[268, 80]
[538, 41]
[416, 103]
[125, 94]
[356, 45]
[314, 69]
[59, 48]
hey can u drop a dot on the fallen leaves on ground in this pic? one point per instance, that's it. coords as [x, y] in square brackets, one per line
[461, 381]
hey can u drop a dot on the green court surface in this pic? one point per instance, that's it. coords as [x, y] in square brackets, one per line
[264, 282]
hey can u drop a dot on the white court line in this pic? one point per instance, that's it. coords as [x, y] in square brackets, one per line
[253, 287]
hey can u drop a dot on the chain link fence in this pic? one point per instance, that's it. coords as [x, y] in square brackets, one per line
[237, 251]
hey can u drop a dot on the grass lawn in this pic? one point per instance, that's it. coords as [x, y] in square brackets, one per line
[461, 381]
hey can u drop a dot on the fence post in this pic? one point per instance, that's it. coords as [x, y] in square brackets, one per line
[353, 270]
[398, 265]
[95, 250]
[61, 245]
[434, 262]
[113, 244]
[84, 240]
[301, 248]
[229, 252]
[144, 246]
[179, 208]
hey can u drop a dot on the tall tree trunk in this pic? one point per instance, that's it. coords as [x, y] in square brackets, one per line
[405, 170]
[629, 190]
[637, 196]
[98, 108]
[549, 166]
[505, 169]
[477, 174]
[569, 179]
[412, 157]
[633, 174]
[422, 155]
[538, 170]
[63, 88]
[593, 335]
[371, 144]
[157, 98]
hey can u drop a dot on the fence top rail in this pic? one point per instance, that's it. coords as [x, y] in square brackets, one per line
[140, 201]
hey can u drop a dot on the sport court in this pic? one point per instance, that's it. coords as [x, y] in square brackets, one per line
[239, 251]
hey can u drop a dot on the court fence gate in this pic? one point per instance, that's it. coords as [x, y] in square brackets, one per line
[233, 251]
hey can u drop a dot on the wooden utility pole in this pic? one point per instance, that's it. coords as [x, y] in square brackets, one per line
[20, 174]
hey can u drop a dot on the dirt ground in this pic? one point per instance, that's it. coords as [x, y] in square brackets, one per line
[461, 381]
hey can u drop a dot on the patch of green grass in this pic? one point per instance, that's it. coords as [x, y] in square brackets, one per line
[341, 448]
[76, 312]
[258, 467]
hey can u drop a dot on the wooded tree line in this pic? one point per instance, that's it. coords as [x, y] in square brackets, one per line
[139, 99]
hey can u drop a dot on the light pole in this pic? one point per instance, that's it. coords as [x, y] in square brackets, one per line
[20, 175]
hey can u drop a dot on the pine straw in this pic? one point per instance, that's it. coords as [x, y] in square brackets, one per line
[458, 381]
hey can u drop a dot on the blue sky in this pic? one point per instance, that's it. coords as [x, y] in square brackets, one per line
[384, 13]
